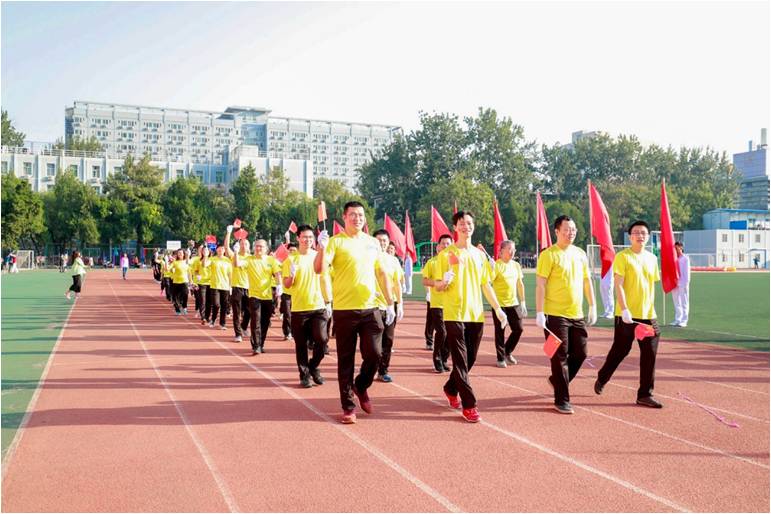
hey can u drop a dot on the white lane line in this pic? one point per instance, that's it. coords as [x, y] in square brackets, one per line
[221, 484]
[33, 401]
[382, 457]
[614, 384]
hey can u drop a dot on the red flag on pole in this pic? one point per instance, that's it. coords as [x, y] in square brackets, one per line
[322, 212]
[409, 246]
[438, 226]
[336, 228]
[499, 234]
[293, 227]
[542, 235]
[240, 234]
[670, 273]
[395, 234]
[281, 253]
[601, 229]
[365, 228]
[454, 212]
[236, 223]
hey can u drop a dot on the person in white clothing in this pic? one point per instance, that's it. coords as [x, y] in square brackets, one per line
[680, 293]
[606, 292]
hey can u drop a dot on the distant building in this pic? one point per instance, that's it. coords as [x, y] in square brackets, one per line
[736, 219]
[753, 166]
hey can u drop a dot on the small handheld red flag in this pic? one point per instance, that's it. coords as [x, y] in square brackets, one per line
[551, 345]
[240, 234]
[236, 223]
[211, 239]
[641, 331]
[281, 253]
[336, 228]
[322, 212]
[293, 227]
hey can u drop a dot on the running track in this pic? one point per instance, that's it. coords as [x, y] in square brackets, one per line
[143, 411]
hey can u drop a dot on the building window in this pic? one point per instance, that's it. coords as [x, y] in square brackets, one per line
[180, 173]
[73, 168]
[5, 167]
[724, 238]
[741, 257]
[51, 169]
[757, 238]
[220, 177]
[96, 171]
[98, 190]
[28, 168]
[741, 238]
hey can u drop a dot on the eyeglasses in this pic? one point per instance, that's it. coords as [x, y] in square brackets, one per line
[639, 233]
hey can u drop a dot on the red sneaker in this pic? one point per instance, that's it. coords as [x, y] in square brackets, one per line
[472, 415]
[349, 417]
[454, 401]
[363, 397]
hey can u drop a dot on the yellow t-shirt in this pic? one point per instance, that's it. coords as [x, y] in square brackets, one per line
[355, 261]
[306, 288]
[166, 268]
[261, 271]
[462, 300]
[220, 273]
[431, 270]
[201, 274]
[180, 272]
[505, 277]
[394, 271]
[640, 272]
[239, 278]
[564, 271]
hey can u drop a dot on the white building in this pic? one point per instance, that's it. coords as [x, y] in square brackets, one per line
[727, 247]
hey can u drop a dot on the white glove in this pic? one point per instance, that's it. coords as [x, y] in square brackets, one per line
[523, 309]
[390, 315]
[540, 320]
[230, 229]
[591, 318]
[279, 290]
[501, 315]
[492, 262]
[448, 276]
[328, 310]
[399, 312]
[323, 239]
[292, 269]
[626, 316]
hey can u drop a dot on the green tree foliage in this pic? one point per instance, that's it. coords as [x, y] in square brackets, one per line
[72, 211]
[22, 216]
[91, 144]
[185, 215]
[11, 136]
[138, 186]
[247, 197]
[335, 196]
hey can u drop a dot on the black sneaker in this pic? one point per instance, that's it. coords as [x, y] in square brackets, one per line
[326, 349]
[438, 367]
[650, 401]
[598, 386]
[255, 351]
[316, 376]
[563, 408]
[429, 346]
[306, 383]
[551, 383]
[446, 367]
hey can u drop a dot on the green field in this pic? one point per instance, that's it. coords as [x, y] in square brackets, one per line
[726, 308]
[33, 314]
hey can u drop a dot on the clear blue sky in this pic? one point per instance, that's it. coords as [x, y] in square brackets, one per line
[690, 73]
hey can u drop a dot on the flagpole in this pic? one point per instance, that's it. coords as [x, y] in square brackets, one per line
[591, 236]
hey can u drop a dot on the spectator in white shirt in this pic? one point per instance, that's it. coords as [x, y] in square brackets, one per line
[680, 293]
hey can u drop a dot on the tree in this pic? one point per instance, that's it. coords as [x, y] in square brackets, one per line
[71, 211]
[11, 136]
[335, 196]
[382, 180]
[22, 216]
[247, 197]
[185, 216]
[138, 185]
[77, 143]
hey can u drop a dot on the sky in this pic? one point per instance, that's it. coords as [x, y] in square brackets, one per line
[672, 73]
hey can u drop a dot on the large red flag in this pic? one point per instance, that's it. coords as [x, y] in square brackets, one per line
[601, 229]
[670, 273]
[438, 226]
[396, 235]
[336, 228]
[454, 212]
[409, 243]
[542, 235]
[499, 232]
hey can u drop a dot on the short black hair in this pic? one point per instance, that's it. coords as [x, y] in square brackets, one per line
[303, 228]
[292, 245]
[678, 243]
[391, 243]
[638, 223]
[560, 219]
[445, 236]
[460, 215]
[352, 203]
[381, 232]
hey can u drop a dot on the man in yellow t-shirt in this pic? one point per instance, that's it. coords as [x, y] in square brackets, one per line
[239, 293]
[357, 260]
[285, 305]
[262, 270]
[562, 279]
[310, 307]
[636, 270]
[465, 276]
[394, 271]
[435, 331]
[180, 278]
[219, 289]
[510, 290]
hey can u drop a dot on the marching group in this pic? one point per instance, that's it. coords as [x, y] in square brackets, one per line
[352, 282]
